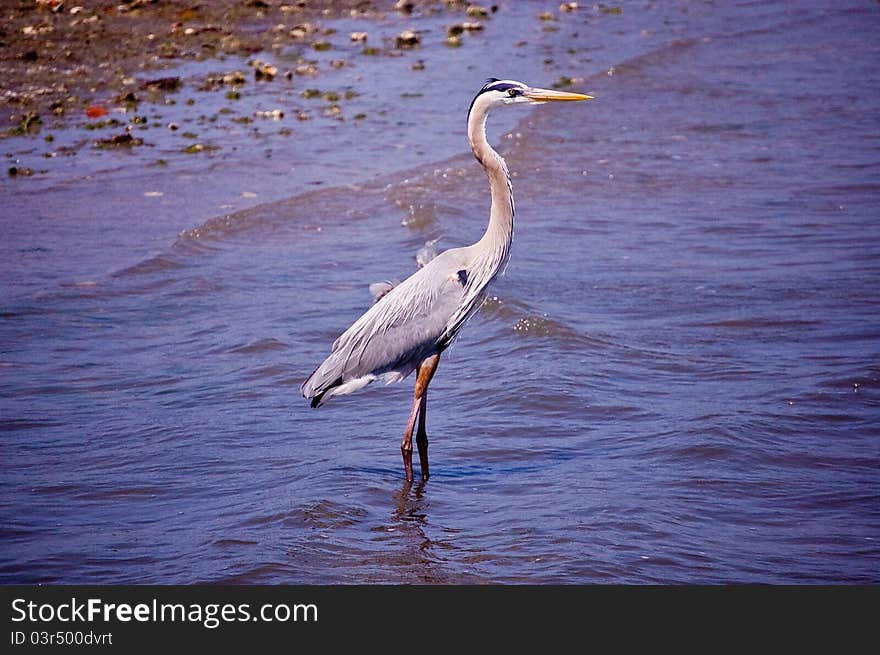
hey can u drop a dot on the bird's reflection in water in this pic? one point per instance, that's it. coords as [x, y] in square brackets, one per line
[410, 505]
[410, 519]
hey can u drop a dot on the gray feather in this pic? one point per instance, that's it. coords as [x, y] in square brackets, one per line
[410, 322]
[379, 289]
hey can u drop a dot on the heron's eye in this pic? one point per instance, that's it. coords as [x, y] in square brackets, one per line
[513, 92]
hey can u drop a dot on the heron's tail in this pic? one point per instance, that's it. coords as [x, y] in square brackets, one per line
[318, 400]
[331, 379]
[316, 397]
[319, 385]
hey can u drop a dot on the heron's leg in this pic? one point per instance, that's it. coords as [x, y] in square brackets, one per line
[423, 378]
[425, 375]
[422, 436]
[406, 442]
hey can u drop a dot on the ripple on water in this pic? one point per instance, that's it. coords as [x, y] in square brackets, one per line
[259, 346]
[676, 381]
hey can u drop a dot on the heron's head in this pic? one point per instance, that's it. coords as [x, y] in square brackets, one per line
[510, 92]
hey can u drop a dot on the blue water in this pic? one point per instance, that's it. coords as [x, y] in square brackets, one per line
[677, 380]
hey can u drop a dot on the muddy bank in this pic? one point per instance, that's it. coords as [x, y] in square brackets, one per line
[61, 57]
[216, 108]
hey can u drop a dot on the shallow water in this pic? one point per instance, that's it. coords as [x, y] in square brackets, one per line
[676, 380]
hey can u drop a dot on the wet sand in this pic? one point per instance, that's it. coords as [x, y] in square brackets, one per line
[59, 58]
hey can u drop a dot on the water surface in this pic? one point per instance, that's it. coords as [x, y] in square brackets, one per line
[676, 380]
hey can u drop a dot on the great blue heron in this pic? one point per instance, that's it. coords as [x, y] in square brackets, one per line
[412, 323]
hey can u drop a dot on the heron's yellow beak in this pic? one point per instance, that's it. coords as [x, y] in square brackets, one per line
[547, 95]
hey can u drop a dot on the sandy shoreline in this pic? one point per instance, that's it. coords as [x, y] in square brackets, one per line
[59, 57]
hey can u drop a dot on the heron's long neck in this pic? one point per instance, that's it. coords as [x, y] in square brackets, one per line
[494, 246]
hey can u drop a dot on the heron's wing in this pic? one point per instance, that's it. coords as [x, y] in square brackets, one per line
[379, 289]
[407, 324]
